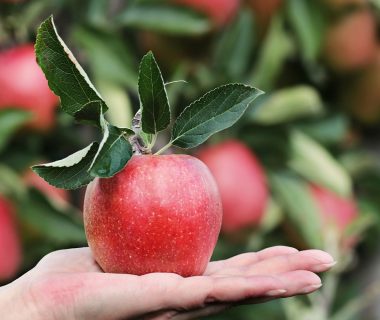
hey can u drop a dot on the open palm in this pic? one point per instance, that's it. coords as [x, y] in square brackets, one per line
[68, 284]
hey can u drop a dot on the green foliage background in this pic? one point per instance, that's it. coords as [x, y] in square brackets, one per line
[305, 129]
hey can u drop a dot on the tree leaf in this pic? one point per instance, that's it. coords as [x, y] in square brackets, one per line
[71, 172]
[155, 105]
[100, 46]
[216, 110]
[288, 104]
[235, 46]
[315, 163]
[65, 76]
[309, 23]
[10, 121]
[276, 49]
[113, 153]
[166, 19]
[293, 194]
[37, 213]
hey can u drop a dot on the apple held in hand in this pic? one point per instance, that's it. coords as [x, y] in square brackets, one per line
[10, 248]
[159, 214]
[142, 212]
[24, 86]
[241, 181]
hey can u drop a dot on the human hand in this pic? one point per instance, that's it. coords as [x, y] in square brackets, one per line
[68, 284]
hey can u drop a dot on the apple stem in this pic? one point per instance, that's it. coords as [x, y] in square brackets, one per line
[164, 148]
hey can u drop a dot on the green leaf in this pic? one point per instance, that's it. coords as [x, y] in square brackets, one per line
[216, 110]
[154, 101]
[308, 22]
[113, 153]
[288, 104]
[71, 172]
[65, 76]
[235, 46]
[109, 57]
[37, 213]
[315, 163]
[329, 130]
[165, 19]
[10, 121]
[276, 49]
[295, 197]
[11, 183]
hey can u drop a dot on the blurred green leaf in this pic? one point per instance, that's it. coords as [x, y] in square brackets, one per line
[113, 153]
[276, 49]
[120, 112]
[37, 213]
[308, 22]
[315, 163]
[66, 77]
[155, 114]
[109, 56]
[235, 47]
[294, 195]
[71, 172]
[165, 19]
[216, 110]
[272, 217]
[10, 121]
[327, 130]
[288, 104]
[10, 183]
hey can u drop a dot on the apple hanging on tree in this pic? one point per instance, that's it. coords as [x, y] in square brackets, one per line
[10, 247]
[23, 86]
[143, 212]
[241, 181]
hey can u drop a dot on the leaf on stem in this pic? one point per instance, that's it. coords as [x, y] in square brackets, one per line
[215, 111]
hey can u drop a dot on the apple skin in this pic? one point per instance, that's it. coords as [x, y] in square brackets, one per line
[159, 214]
[350, 43]
[241, 181]
[24, 86]
[10, 247]
[220, 11]
[334, 209]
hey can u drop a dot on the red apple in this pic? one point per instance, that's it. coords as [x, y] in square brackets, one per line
[23, 86]
[334, 209]
[34, 180]
[350, 43]
[220, 11]
[159, 214]
[10, 248]
[241, 181]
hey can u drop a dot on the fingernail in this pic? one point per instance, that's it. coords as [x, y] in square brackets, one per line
[311, 288]
[324, 266]
[276, 292]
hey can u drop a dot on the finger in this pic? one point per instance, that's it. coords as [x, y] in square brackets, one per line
[249, 258]
[295, 283]
[312, 260]
[118, 296]
[69, 260]
[300, 282]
